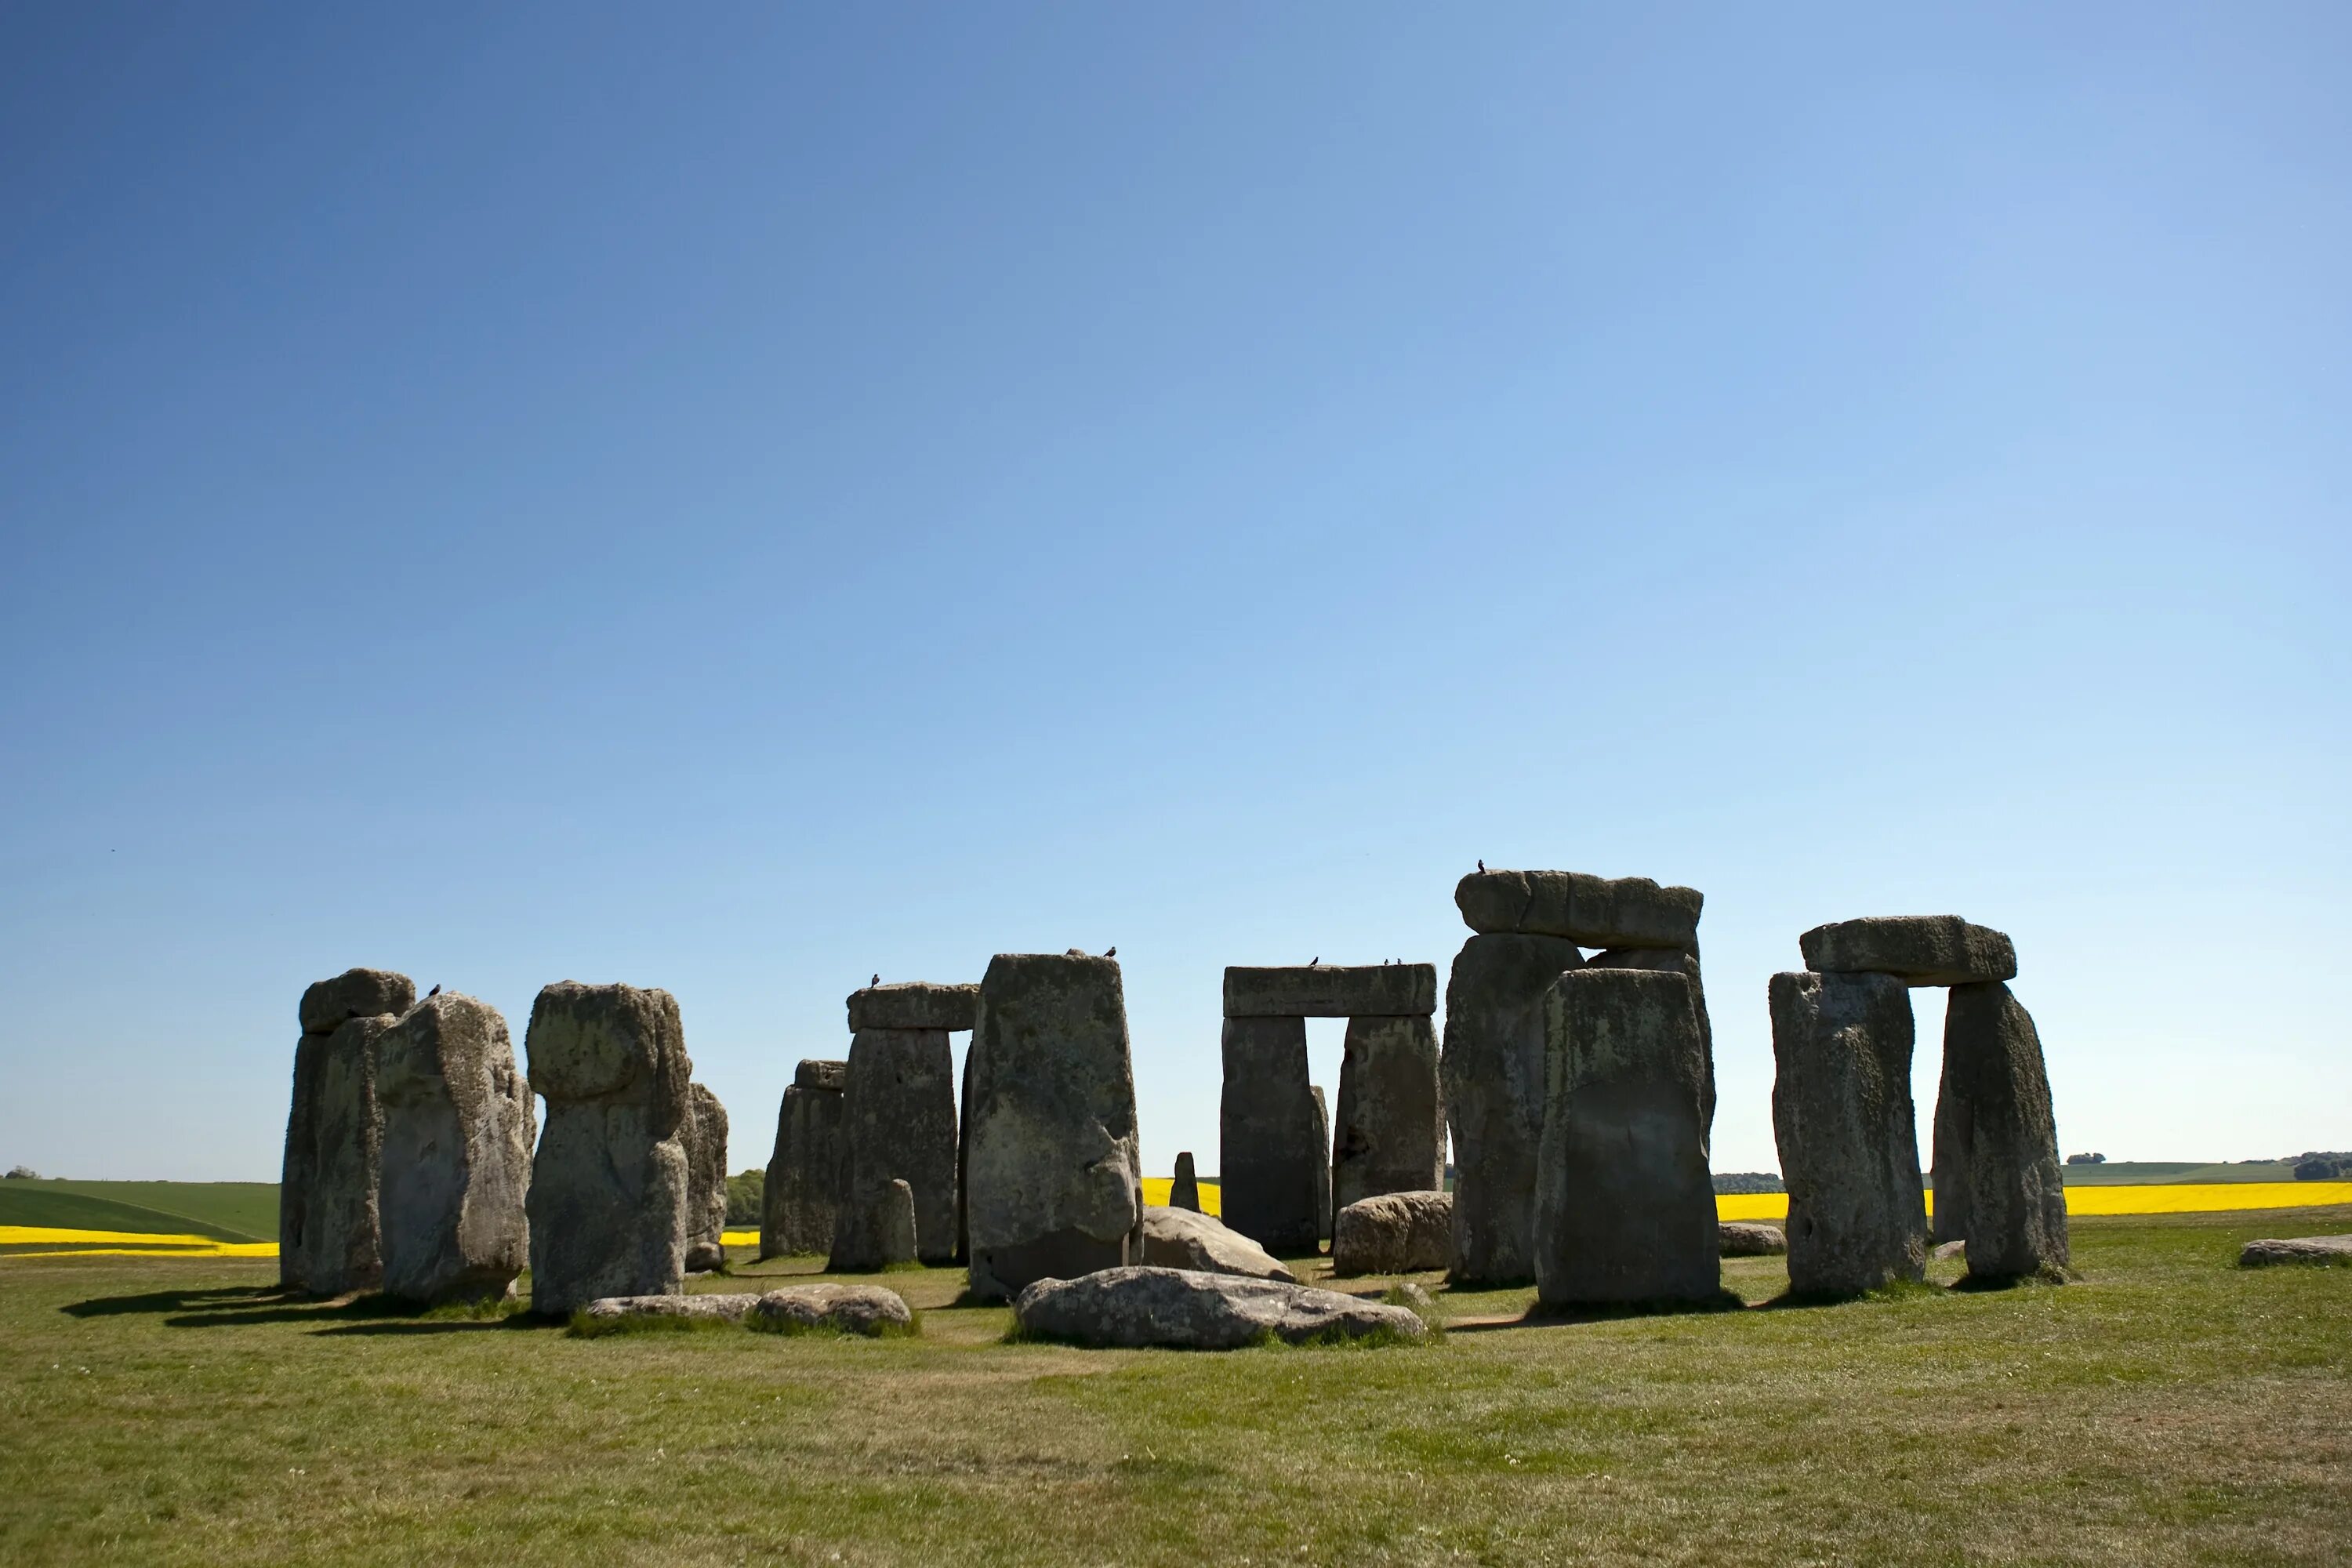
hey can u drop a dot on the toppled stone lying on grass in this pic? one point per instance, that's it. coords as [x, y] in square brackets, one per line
[1393, 1233]
[1919, 950]
[1948, 1250]
[730, 1306]
[2320, 1250]
[1739, 1239]
[1186, 1239]
[1182, 1309]
[867, 1310]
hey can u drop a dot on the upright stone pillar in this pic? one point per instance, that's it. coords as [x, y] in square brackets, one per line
[1948, 1218]
[1392, 1132]
[803, 1184]
[1842, 1115]
[610, 1185]
[1057, 1172]
[1624, 1202]
[457, 1152]
[1270, 1164]
[328, 1239]
[2007, 1141]
[1325, 1215]
[899, 1125]
[706, 1181]
[1493, 1073]
[1185, 1192]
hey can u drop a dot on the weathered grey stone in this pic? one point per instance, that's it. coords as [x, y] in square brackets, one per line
[868, 1310]
[611, 1185]
[1268, 1156]
[2308, 1249]
[964, 1165]
[803, 1181]
[1057, 1172]
[344, 1250]
[355, 993]
[1738, 1239]
[457, 1152]
[1946, 1251]
[1624, 1202]
[1331, 991]
[1684, 964]
[2007, 1153]
[895, 1225]
[1392, 1132]
[1186, 1239]
[705, 1138]
[1842, 1115]
[1414, 1298]
[913, 1005]
[298, 1172]
[1182, 1309]
[1393, 1233]
[1595, 911]
[1922, 950]
[731, 1307]
[898, 1123]
[1493, 1074]
[1185, 1192]
[1322, 1164]
[1947, 1215]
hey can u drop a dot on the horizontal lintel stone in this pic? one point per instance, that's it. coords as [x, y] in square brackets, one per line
[914, 1004]
[1918, 950]
[1591, 911]
[1331, 991]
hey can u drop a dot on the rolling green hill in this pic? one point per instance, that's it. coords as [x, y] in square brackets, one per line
[225, 1211]
[2141, 1172]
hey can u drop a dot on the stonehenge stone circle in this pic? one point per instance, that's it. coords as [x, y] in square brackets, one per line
[611, 1186]
[1684, 963]
[1624, 1202]
[1492, 1067]
[1391, 1136]
[329, 1241]
[1841, 1115]
[1591, 911]
[457, 1152]
[1057, 1183]
[1322, 1164]
[1920, 950]
[1185, 1192]
[2006, 1155]
[898, 1112]
[1271, 1164]
[1393, 1233]
[803, 1181]
[913, 1005]
[706, 1181]
[1331, 991]
[1186, 1239]
[1138, 1306]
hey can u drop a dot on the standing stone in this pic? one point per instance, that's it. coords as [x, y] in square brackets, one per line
[1392, 1134]
[1947, 1219]
[803, 1184]
[457, 1152]
[1493, 1074]
[894, 1224]
[1057, 1170]
[1684, 963]
[1267, 1151]
[297, 1175]
[1842, 1115]
[1185, 1192]
[355, 993]
[1323, 1220]
[964, 1160]
[610, 1187]
[898, 1124]
[1624, 1202]
[706, 1181]
[2016, 1208]
[327, 1240]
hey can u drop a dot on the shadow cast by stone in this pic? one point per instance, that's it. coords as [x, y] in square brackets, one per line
[375, 1308]
[1611, 1312]
[179, 1300]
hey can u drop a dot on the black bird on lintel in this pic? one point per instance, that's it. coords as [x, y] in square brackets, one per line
[1314, 961]
[1482, 865]
[432, 994]
[1111, 952]
[877, 980]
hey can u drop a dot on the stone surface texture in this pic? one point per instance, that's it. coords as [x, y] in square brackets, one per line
[867, 1310]
[2007, 1141]
[355, 993]
[1057, 1186]
[731, 1307]
[1271, 1165]
[1947, 1219]
[611, 1186]
[344, 1241]
[1182, 1309]
[1391, 1136]
[1186, 1239]
[1680, 962]
[1922, 950]
[2306, 1250]
[913, 1005]
[1624, 1201]
[1331, 991]
[1393, 1233]
[803, 1179]
[1841, 1115]
[457, 1152]
[1492, 1069]
[1184, 1190]
[1322, 1163]
[898, 1124]
[1594, 912]
[705, 1180]
[1740, 1239]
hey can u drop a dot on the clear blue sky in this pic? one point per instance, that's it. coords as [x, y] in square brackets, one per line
[737, 500]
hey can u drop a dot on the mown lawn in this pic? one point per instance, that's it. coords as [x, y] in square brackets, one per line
[2170, 1409]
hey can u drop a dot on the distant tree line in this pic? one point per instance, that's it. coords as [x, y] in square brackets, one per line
[2321, 1166]
[744, 1191]
[1747, 1182]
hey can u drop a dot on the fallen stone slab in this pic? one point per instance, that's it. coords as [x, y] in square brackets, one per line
[913, 1005]
[1331, 991]
[457, 1153]
[1393, 1233]
[1182, 1308]
[804, 1180]
[868, 1310]
[1921, 949]
[732, 1307]
[1592, 911]
[355, 993]
[2307, 1249]
[1739, 1239]
[1186, 1239]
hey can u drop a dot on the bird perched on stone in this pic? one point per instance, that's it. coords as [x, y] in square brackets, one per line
[432, 994]
[1111, 952]
[877, 980]
[1482, 865]
[1314, 961]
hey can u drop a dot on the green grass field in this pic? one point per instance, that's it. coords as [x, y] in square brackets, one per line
[225, 1211]
[2170, 1409]
[2136, 1173]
